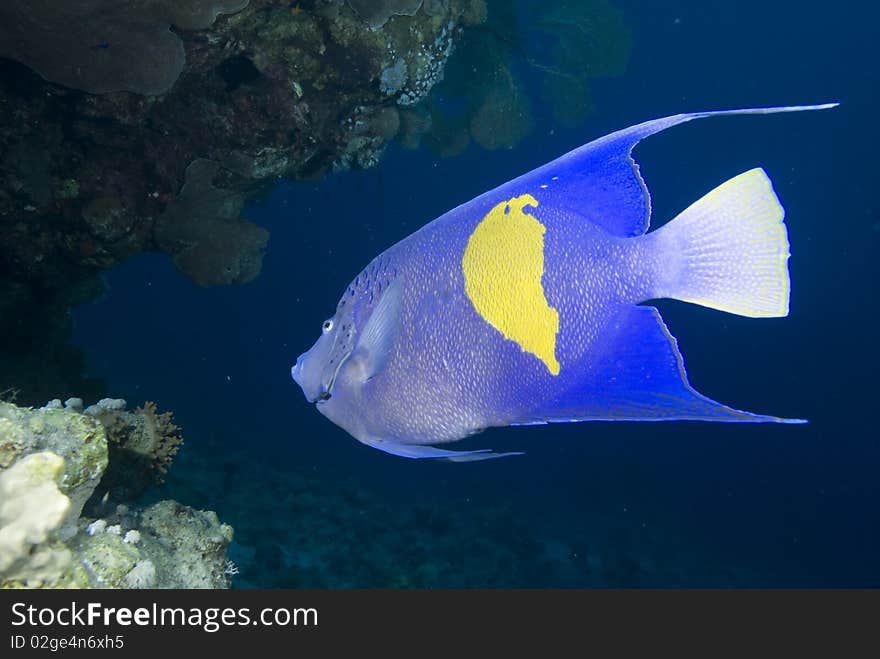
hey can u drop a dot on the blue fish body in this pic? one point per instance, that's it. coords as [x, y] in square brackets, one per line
[524, 305]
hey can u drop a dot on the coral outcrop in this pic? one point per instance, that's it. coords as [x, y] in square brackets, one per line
[141, 444]
[149, 125]
[102, 46]
[186, 556]
[202, 232]
[161, 120]
[77, 439]
[51, 461]
[32, 508]
[377, 12]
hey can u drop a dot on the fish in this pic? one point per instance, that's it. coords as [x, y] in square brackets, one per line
[528, 305]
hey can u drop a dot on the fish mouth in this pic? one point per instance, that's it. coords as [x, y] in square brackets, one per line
[326, 391]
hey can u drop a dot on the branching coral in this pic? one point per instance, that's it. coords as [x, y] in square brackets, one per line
[142, 445]
[103, 45]
[164, 433]
[50, 462]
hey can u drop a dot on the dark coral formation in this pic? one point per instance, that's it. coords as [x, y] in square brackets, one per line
[87, 180]
[141, 446]
[193, 122]
[201, 230]
[51, 460]
[99, 46]
[566, 44]
[587, 40]
[377, 12]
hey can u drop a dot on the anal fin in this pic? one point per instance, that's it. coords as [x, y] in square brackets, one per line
[639, 377]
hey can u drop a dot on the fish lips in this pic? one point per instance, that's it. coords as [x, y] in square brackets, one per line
[296, 372]
[325, 390]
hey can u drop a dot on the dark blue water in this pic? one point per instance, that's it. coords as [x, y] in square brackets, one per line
[589, 504]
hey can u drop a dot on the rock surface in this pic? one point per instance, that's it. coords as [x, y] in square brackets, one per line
[51, 461]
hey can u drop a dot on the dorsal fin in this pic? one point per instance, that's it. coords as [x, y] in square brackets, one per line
[601, 182]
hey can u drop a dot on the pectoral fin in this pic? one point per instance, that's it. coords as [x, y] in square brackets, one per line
[421, 451]
[376, 341]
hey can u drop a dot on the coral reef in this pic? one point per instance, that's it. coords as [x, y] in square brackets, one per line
[51, 461]
[151, 138]
[201, 230]
[142, 445]
[186, 556]
[377, 12]
[76, 438]
[179, 129]
[99, 46]
[31, 509]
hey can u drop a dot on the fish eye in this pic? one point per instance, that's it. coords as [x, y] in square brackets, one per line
[327, 325]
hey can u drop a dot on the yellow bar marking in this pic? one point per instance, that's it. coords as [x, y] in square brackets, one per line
[503, 263]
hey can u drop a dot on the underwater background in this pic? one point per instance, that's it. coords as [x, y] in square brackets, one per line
[592, 504]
